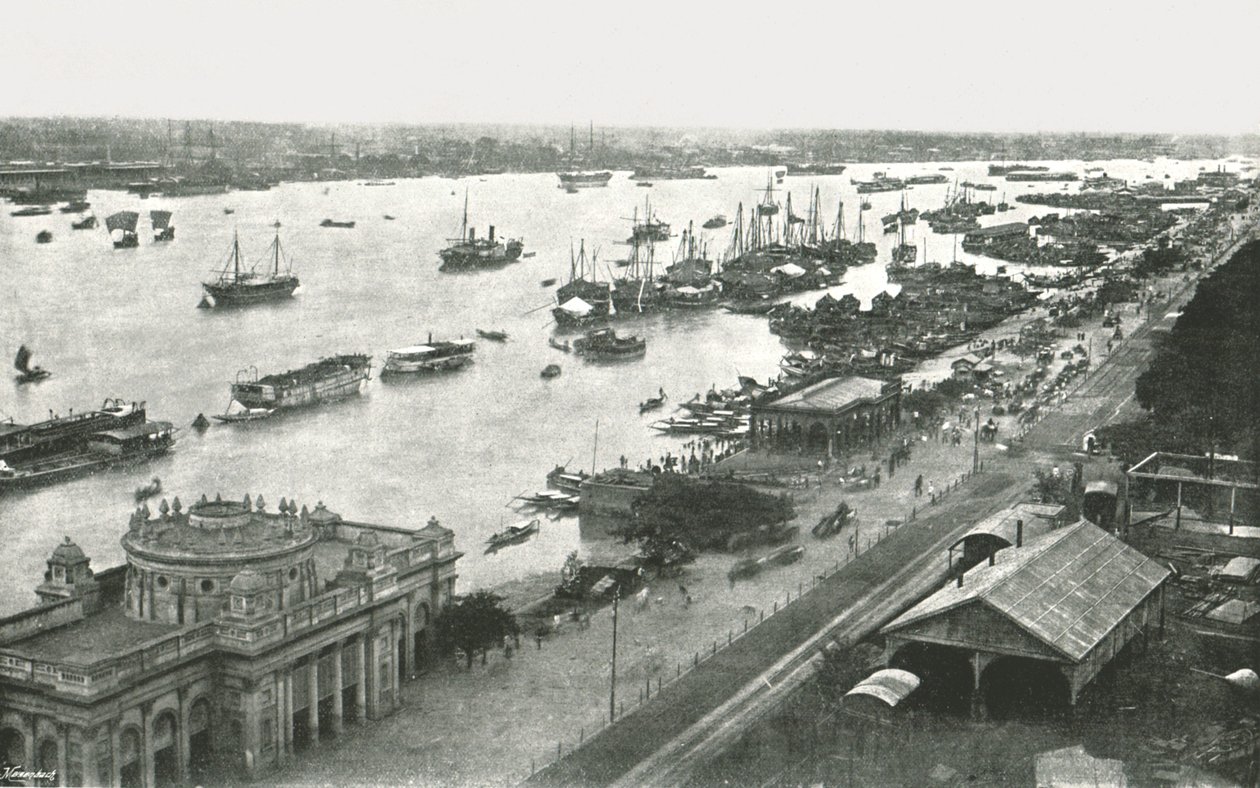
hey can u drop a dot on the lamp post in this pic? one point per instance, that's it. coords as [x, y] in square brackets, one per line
[975, 454]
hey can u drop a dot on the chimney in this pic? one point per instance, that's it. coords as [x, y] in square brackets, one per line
[1019, 533]
[472, 233]
[492, 233]
[960, 579]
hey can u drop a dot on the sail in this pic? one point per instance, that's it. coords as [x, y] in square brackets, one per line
[23, 360]
[123, 220]
[161, 219]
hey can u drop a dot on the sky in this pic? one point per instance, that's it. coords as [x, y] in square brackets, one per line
[1013, 66]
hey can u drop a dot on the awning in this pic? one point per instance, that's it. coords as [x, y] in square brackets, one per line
[790, 270]
[891, 686]
[577, 306]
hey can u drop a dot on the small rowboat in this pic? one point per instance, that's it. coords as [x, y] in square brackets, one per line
[253, 414]
[651, 403]
[512, 535]
[497, 336]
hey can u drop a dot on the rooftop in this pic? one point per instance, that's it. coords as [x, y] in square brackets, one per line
[832, 394]
[104, 633]
[217, 530]
[1038, 520]
[1068, 588]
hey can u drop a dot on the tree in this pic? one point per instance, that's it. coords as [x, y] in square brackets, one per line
[571, 578]
[476, 622]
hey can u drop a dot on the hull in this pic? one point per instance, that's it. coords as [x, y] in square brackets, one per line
[238, 295]
[324, 381]
[457, 258]
[165, 235]
[403, 367]
[73, 467]
[583, 180]
[127, 242]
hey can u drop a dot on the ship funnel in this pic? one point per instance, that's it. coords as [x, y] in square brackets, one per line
[492, 233]
[472, 233]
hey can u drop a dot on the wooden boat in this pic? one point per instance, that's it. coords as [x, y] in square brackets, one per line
[229, 211]
[548, 499]
[652, 403]
[75, 206]
[430, 357]
[528, 254]
[603, 343]
[715, 222]
[86, 223]
[124, 224]
[248, 414]
[513, 534]
[163, 230]
[551, 371]
[27, 373]
[235, 287]
[387, 217]
[334, 223]
[750, 307]
[561, 479]
[497, 336]
[322, 381]
[149, 490]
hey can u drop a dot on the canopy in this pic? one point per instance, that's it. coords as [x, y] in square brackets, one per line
[790, 270]
[891, 686]
[577, 306]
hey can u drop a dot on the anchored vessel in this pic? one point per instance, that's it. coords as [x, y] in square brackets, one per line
[27, 373]
[603, 343]
[65, 447]
[469, 251]
[123, 223]
[235, 287]
[583, 180]
[430, 357]
[323, 381]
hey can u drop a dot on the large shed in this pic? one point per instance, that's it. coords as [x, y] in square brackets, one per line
[1053, 612]
[1008, 528]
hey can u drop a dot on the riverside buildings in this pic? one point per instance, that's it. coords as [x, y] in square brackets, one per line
[232, 639]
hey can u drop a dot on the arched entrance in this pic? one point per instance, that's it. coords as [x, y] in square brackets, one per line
[1024, 688]
[130, 768]
[200, 747]
[946, 674]
[165, 749]
[12, 748]
[419, 638]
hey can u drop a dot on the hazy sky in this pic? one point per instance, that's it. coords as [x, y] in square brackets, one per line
[1002, 66]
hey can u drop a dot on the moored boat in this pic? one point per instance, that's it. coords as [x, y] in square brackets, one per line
[75, 206]
[583, 180]
[335, 223]
[236, 287]
[603, 343]
[429, 357]
[163, 230]
[560, 478]
[86, 223]
[325, 380]
[512, 535]
[496, 336]
[34, 210]
[469, 251]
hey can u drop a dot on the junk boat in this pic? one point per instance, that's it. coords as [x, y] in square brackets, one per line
[123, 223]
[469, 251]
[163, 230]
[239, 288]
[66, 447]
[561, 479]
[86, 223]
[334, 223]
[27, 373]
[582, 301]
[512, 535]
[323, 381]
[603, 343]
[430, 357]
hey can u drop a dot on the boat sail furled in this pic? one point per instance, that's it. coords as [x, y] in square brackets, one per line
[237, 287]
[163, 230]
[123, 223]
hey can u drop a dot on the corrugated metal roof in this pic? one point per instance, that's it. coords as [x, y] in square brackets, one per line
[1068, 588]
[831, 394]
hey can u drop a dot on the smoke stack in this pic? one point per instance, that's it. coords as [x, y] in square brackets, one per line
[1019, 533]
[472, 233]
[492, 233]
[960, 579]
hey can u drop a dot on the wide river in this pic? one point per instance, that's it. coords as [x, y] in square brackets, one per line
[458, 446]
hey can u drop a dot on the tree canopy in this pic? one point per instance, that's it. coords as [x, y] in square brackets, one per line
[476, 622]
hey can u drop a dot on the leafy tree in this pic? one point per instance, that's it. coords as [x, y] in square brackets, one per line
[476, 622]
[571, 577]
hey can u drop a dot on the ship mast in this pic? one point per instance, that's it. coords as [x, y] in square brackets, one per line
[463, 230]
[276, 271]
[236, 257]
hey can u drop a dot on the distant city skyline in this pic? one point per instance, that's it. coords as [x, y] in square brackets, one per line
[1171, 67]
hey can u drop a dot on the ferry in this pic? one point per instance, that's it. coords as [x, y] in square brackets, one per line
[58, 433]
[323, 381]
[431, 357]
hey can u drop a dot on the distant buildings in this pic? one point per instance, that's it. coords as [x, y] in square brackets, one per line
[232, 639]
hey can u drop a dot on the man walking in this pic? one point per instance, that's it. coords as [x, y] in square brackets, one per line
[918, 486]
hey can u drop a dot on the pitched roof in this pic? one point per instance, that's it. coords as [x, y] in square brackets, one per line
[831, 394]
[1038, 520]
[1068, 588]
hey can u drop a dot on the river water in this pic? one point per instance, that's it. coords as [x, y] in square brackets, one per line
[458, 446]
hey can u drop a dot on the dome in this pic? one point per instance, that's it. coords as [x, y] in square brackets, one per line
[247, 581]
[68, 553]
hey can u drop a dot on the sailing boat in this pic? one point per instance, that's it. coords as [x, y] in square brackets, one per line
[651, 229]
[235, 287]
[635, 291]
[768, 207]
[582, 301]
[123, 222]
[163, 230]
[22, 363]
[863, 249]
[904, 253]
[469, 251]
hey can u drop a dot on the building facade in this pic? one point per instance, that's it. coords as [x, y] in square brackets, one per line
[232, 639]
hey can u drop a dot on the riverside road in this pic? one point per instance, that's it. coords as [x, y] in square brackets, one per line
[669, 739]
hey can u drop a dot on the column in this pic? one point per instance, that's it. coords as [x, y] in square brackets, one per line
[184, 751]
[312, 692]
[370, 667]
[287, 727]
[88, 749]
[115, 745]
[283, 718]
[360, 685]
[977, 702]
[253, 739]
[63, 739]
[337, 710]
[146, 743]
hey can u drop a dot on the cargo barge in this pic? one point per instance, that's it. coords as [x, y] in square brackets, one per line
[326, 380]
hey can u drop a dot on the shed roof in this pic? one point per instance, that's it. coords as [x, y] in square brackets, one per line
[833, 394]
[1068, 588]
[1038, 520]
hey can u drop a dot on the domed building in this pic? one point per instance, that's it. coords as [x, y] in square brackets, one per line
[234, 637]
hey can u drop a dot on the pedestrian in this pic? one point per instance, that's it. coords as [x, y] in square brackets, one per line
[918, 486]
[538, 638]
[875, 481]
